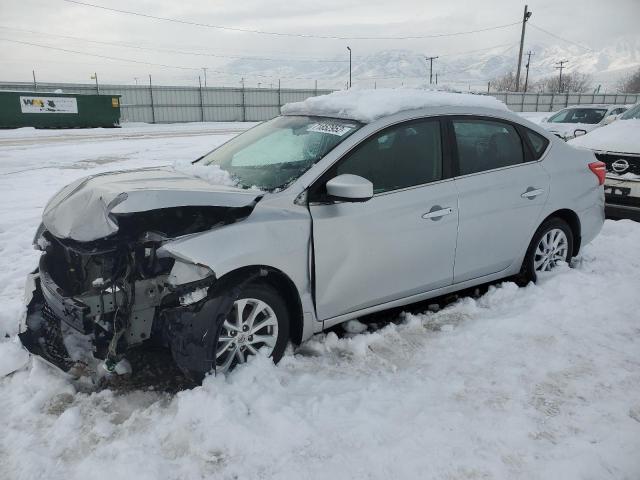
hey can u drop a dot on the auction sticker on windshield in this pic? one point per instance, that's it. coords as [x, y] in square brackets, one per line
[330, 128]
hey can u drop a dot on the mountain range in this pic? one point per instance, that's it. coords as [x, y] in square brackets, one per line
[471, 69]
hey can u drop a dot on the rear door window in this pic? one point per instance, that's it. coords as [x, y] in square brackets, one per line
[486, 145]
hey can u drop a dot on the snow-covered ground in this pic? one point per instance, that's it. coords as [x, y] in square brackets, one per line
[541, 382]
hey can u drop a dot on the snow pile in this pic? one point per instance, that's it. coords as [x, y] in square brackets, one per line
[369, 105]
[622, 136]
[210, 173]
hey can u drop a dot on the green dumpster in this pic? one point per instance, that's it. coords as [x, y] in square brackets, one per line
[58, 110]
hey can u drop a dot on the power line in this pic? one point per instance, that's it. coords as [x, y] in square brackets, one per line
[284, 34]
[231, 74]
[170, 50]
[561, 38]
[142, 62]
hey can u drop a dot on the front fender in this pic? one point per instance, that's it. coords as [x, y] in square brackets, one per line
[273, 236]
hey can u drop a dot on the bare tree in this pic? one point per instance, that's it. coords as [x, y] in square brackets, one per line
[504, 83]
[631, 83]
[572, 82]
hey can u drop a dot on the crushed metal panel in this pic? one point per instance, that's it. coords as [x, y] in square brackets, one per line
[99, 197]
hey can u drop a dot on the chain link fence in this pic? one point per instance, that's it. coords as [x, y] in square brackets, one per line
[170, 104]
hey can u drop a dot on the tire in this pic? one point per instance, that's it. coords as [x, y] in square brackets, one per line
[239, 340]
[560, 248]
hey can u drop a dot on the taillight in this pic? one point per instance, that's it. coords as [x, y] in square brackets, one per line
[599, 169]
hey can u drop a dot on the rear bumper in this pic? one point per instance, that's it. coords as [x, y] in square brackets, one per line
[617, 212]
[622, 199]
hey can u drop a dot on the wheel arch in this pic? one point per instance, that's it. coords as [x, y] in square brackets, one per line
[283, 284]
[573, 221]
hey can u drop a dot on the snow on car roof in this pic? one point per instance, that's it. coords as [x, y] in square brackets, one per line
[369, 105]
[622, 136]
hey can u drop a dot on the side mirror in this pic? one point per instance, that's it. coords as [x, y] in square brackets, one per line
[579, 132]
[350, 188]
[610, 119]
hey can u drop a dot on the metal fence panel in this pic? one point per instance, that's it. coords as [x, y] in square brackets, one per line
[167, 104]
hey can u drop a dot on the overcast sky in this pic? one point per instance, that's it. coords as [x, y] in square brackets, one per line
[593, 23]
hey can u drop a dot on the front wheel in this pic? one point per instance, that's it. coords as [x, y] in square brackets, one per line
[258, 321]
[551, 245]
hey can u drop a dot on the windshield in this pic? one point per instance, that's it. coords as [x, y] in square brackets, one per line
[579, 115]
[633, 112]
[275, 153]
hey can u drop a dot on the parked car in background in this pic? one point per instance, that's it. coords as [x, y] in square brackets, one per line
[618, 146]
[347, 204]
[581, 119]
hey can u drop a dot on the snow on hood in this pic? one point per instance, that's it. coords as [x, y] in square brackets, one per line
[567, 129]
[84, 210]
[622, 136]
[369, 105]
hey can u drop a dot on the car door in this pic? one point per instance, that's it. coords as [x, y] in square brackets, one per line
[501, 192]
[400, 242]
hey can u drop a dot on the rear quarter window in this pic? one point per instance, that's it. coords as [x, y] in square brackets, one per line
[538, 143]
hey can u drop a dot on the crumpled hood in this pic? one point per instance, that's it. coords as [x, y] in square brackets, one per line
[86, 209]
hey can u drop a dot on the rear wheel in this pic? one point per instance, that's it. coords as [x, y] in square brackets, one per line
[551, 245]
[257, 322]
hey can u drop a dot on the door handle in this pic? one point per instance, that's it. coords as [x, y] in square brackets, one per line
[437, 213]
[532, 193]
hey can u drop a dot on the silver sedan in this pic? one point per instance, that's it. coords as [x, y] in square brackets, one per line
[325, 219]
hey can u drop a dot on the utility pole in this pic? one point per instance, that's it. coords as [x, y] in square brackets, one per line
[436, 78]
[201, 99]
[349, 48]
[526, 78]
[204, 69]
[95, 75]
[153, 110]
[488, 86]
[35, 84]
[560, 66]
[430, 60]
[525, 17]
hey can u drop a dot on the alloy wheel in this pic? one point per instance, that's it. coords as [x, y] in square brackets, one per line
[552, 248]
[251, 325]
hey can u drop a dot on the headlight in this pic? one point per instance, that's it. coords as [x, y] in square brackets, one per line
[183, 274]
[39, 242]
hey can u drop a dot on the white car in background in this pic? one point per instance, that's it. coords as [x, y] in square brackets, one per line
[618, 146]
[577, 120]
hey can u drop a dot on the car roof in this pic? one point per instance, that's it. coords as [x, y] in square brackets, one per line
[367, 106]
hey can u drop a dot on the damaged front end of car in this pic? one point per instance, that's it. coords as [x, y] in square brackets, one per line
[90, 301]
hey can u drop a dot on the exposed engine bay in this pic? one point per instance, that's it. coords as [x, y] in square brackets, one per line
[115, 293]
